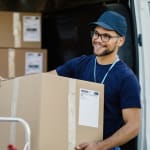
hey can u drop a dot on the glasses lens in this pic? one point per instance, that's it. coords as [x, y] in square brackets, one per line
[105, 37]
[95, 34]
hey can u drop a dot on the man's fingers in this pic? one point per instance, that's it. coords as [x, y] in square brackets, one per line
[77, 148]
[81, 146]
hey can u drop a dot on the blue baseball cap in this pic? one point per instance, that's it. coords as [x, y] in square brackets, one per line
[111, 20]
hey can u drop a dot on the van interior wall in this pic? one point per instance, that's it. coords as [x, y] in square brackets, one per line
[66, 33]
[65, 30]
[127, 51]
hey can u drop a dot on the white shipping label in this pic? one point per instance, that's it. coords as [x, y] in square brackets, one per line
[31, 28]
[89, 108]
[33, 62]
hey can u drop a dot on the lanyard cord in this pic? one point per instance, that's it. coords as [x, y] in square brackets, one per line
[110, 68]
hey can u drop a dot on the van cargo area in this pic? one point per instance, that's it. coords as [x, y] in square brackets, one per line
[63, 32]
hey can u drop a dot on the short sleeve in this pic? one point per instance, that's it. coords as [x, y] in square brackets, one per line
[130, 93]
[69, 69]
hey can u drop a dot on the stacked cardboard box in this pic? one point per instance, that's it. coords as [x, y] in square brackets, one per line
[18, 62]
[21, 31]
[61, 112]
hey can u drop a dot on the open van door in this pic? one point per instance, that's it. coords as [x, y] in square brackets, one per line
[142, 16]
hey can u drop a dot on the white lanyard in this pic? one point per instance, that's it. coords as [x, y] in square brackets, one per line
[110, 68]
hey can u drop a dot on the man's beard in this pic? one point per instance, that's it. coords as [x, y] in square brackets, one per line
[106, 52]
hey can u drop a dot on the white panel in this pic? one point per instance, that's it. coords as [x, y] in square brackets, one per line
[142, 9]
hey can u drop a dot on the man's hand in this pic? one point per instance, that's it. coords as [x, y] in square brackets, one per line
[81, 146]
[90, 146]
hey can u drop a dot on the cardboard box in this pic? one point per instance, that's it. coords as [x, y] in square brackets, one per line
[61, 112]
[20, 29]
[19, 62]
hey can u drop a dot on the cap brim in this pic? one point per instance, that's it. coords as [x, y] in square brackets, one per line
[101, 24]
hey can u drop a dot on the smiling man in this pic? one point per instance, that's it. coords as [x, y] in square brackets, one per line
[122, 107]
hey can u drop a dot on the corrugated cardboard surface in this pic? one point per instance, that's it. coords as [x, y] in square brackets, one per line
[11, 30]
[6, 29]
[43, 101]
[12, 61]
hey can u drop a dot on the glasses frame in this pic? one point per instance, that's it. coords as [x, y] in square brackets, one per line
[105, 37]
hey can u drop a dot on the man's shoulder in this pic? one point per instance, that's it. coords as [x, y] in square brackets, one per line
[124, 71]
[122, 67]
[84, 58]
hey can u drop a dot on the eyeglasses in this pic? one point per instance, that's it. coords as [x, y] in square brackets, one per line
[104, 37]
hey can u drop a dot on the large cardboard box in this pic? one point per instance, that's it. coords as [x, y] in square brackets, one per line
[20, 29]
[19, 62]
[61, 112]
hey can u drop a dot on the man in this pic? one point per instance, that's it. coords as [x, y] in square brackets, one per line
[122, 91]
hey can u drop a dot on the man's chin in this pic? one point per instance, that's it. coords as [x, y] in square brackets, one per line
[104, 53]
[100, 54]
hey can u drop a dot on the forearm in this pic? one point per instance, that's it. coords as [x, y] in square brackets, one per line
[120, 137]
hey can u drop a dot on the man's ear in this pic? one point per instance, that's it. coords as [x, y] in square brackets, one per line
[121, 41]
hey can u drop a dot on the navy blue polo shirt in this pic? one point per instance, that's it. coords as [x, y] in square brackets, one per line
[121, 90]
